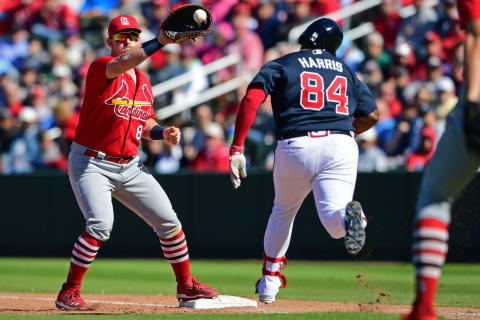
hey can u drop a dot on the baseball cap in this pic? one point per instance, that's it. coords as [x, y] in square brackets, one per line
[434, 62]
[445, 84]
[122, 23]
[27, 114]
[214, 130]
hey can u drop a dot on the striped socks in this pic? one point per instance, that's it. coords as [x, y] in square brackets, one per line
[83, 253]
[176, 251]
[430, 246]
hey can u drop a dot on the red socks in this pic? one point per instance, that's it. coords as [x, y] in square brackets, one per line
[83, 253]
[430, 246]
[176, 251]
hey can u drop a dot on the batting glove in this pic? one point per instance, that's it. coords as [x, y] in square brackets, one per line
[238, 165]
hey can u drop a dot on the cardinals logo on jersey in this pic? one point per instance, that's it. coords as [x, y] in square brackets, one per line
[123, 107]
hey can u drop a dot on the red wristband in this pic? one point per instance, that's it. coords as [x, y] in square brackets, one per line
[235, 150]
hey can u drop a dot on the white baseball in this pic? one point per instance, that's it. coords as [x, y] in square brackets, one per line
[200, 15]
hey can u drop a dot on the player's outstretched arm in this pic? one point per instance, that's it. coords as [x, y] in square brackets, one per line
[362, 124]
[136, 55]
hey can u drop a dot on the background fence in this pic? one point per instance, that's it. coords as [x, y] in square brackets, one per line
[39, 216]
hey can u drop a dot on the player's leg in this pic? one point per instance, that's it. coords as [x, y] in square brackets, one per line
[451, 168]
[291, 179]
[144, 196]
[93, 193]
[333, 188]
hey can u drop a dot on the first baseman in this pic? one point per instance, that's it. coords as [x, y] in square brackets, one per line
[117, 112]
[315, 99]
[451, 168]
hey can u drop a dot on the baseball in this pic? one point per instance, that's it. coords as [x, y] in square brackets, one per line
[199, 15]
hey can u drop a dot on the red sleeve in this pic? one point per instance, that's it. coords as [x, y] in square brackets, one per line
[246, 113]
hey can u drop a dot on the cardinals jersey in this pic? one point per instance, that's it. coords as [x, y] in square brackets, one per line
[312, 90]
[114, 111]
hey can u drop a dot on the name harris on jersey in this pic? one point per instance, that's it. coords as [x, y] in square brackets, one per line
[320, 63]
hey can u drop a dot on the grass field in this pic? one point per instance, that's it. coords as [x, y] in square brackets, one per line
[387, 283]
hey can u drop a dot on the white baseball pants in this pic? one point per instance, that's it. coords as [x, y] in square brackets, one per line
[328, 166]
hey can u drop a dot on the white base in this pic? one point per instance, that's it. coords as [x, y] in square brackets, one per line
[218, 303]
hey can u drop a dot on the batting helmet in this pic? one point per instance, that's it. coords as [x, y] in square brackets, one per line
[323, 33]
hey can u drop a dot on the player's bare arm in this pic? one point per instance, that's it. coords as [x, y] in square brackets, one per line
[362, 124]
[153, 131]
[472, 56]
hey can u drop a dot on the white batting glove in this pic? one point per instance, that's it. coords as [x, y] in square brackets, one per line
[238, 165]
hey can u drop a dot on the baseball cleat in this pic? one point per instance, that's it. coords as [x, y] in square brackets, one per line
[196, 290]
[267, 288]
[70, 299]
[354, 227]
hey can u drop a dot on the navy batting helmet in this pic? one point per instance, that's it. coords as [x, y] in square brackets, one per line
[323, 33]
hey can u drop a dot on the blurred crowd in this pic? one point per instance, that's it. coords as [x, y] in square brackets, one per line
[413, 66]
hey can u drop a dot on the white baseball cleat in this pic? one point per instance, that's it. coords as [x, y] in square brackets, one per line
[268, 287]
[355, 223]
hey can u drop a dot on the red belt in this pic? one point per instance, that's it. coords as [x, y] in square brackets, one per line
[119, 160]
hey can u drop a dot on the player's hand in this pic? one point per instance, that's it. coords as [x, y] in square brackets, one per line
[238, 165]
[164, 40]
[172, 135]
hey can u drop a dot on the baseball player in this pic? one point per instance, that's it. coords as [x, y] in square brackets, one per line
[318, 102]
[116, 113]
[451, 168]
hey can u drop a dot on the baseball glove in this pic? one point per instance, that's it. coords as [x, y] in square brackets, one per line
[181, 25]
[471, 119]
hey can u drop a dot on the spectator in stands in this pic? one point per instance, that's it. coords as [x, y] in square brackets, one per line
[194, 139]
[299, 13]
[246, 42]
[14, 47]
[214, 155]
[44, 114]
[373, 77]
[376, 52]
[420, 157]
[371, 157]
[24, 152]
[51, 153]
[414, 28]
[388, 22]
[38, 58]
[447, 99]
[54, 19]
[268, 23]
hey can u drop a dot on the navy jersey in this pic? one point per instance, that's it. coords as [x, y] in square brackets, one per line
[313, 90]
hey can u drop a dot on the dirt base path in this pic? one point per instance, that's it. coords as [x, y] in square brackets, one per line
[24, 303]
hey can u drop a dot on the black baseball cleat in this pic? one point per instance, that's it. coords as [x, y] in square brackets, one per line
[355, 232]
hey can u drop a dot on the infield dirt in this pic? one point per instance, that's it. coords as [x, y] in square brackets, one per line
[29, 303]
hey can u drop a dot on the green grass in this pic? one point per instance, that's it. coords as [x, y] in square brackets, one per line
[307, 280]
[295, 316]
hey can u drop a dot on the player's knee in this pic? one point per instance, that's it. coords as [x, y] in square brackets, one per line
[168, 230]
[99, 229]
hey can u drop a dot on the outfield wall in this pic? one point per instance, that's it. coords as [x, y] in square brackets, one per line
[39, 216]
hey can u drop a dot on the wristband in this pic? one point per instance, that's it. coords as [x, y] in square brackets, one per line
[157, 132]
[235, 150]
[151, 46]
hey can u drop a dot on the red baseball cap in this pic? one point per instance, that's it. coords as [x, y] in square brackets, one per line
[121, 23]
